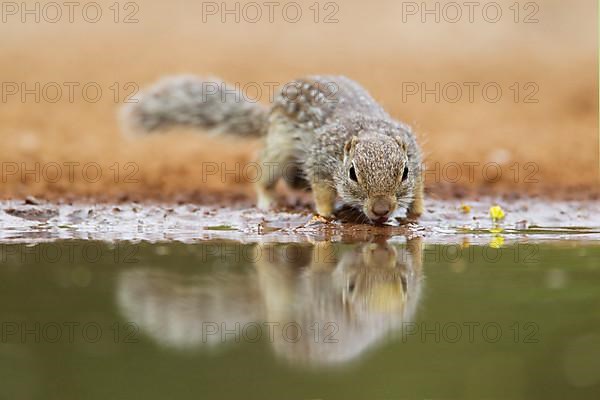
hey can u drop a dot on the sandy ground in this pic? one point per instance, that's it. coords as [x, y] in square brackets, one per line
[541, 138]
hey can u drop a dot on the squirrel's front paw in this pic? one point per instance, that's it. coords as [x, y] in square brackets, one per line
[324, 195]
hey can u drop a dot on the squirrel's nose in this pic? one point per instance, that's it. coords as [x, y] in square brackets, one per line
[381, 207]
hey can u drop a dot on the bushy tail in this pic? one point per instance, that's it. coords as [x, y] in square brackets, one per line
[189, 101]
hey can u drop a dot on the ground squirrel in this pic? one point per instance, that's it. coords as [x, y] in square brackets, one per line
[324, 131]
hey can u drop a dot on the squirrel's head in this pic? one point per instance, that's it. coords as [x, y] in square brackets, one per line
[376, 175]
[375, 279]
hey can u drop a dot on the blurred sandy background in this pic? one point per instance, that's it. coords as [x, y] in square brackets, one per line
[370, 44]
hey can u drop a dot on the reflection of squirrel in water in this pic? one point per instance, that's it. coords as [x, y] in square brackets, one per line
[341, 304]
[344, 304]
[325, 131]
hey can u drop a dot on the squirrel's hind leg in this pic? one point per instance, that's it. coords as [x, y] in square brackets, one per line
[270, 174]
[275, 159]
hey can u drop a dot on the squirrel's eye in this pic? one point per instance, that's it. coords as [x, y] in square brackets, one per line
[352, 174]
[351, 287]
[405, 174]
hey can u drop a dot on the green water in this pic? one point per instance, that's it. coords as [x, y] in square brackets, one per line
[91, 320]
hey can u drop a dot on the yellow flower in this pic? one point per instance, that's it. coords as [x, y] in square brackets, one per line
[497, 242]
[465, 208]
[497, 213]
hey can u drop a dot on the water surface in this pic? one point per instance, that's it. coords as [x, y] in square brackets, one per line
[221, 319]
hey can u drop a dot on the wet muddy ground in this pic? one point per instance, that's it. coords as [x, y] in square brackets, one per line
[446, 221]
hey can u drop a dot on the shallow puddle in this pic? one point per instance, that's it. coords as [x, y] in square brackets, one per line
[371, 320]
[249, 305]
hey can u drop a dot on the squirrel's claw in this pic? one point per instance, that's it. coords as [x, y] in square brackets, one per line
[320, 219]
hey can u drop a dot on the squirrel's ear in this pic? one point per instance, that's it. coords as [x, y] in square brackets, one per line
[350, 145]
[401, 143]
